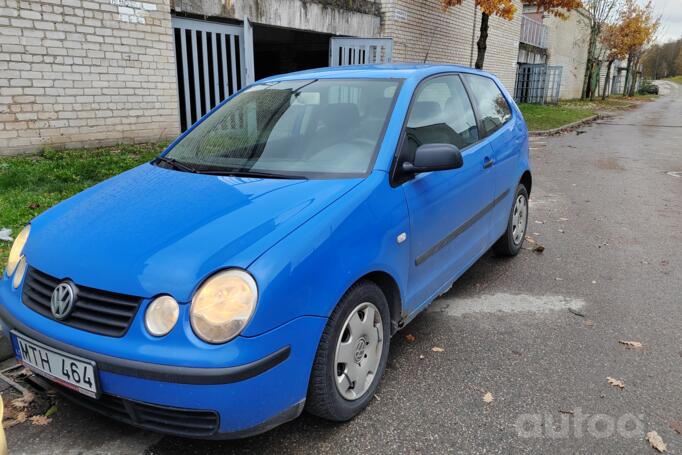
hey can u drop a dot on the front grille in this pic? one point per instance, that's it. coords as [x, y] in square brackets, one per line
[96, 311]
[162, 419]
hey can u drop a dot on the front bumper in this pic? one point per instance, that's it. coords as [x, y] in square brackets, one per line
[245, 397]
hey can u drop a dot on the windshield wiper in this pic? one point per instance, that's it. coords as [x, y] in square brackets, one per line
[175, 164]
[249, 173]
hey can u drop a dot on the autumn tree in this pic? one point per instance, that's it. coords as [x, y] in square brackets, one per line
[599, 13]
[638, 28]
[506, 9]
[502, 8]
[557, 8]
[659, 60]
[613, 43]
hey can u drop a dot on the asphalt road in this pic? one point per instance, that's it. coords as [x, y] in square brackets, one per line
[610, 218]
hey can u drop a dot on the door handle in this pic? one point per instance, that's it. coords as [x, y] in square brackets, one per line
[488, 162]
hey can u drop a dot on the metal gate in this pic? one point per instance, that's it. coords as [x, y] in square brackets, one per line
[537, 83]
[360, 51]
[213, 60]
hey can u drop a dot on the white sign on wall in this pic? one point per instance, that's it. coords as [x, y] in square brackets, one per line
[132, 11]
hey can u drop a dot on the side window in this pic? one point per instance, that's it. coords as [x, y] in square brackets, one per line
[440, 113]
[491, 104]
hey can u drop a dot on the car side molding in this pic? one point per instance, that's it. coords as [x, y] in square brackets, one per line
[460, 229]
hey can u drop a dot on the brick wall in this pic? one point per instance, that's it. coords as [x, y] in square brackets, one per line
[421, 26]
[82, 73]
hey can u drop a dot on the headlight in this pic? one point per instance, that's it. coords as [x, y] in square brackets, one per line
[19, 274]
[161, 315]
[17, 250]
[223, 305]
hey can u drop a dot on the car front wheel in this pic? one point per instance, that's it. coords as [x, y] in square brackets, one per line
[352, 354]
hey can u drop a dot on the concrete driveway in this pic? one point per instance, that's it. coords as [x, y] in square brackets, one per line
[540, 332]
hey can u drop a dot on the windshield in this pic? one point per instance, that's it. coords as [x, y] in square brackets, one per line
[306, 128]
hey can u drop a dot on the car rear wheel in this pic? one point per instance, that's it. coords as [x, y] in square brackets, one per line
[511, 241]
[352, 354]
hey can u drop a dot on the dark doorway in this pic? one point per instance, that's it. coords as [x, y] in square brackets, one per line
[282, 50]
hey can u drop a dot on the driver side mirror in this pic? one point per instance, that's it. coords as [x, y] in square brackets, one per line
[434, 157]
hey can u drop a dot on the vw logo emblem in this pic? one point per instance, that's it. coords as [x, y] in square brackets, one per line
[62, 301]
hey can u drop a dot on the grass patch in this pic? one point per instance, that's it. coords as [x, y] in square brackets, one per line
[31, 184]
[541, 117]
[677, 79]
[545, 117]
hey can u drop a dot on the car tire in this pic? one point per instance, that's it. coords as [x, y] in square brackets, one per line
[343, 331]
[512, 240]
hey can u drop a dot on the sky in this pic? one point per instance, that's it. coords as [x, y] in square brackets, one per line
[671, 20]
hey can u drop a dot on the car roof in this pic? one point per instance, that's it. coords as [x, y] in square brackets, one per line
[400, 71]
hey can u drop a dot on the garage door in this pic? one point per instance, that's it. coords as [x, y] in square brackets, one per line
[213, 61]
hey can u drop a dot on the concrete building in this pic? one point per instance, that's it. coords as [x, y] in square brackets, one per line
[94, 72]
[552, 56]
[568, 47]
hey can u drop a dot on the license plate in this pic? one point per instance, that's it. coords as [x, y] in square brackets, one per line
[68, 370]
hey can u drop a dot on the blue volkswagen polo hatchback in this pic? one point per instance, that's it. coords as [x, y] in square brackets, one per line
[260, 265]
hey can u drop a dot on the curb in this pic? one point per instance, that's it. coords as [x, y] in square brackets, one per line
[564, 128]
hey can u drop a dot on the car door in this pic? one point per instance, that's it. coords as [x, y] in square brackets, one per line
[505, 135]
[449, 224]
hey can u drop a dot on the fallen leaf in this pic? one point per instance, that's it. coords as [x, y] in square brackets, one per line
[410, 338]
[488, 397]
[40, 420]
[20, 418]
[437, 349]
[615, 382]
[538, 248]
[631, 344]
[34, 205]
[52, 411]
[24, 401]
[677, 426]
[656, 441]
[530, 239]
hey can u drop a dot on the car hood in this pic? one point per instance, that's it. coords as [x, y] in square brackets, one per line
[151, 230]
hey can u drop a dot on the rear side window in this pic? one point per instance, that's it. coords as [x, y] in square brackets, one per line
[491, 104]
[441, 113]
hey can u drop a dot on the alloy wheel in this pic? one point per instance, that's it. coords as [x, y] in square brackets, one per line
[358, 351]
[519, 219]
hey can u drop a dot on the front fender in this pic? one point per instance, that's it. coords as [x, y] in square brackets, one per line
[308, 272]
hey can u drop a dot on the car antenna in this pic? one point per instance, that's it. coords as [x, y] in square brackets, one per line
[426, 56]
[428, 50]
